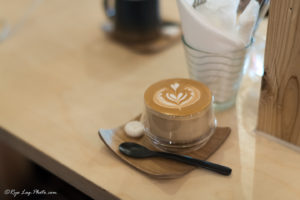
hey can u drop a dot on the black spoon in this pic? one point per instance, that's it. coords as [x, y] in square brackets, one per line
[138, 151]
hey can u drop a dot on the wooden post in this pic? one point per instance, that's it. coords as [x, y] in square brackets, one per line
[279, 108]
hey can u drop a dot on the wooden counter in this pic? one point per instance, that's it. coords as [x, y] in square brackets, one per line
[61, 79]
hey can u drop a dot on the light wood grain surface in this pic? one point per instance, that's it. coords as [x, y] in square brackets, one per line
[280, 97]
[61, 80]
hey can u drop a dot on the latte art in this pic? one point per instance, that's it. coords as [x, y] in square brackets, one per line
[176, 96]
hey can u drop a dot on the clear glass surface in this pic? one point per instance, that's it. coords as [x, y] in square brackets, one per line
[221, 72]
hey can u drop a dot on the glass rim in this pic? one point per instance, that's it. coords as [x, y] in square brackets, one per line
[235, 51]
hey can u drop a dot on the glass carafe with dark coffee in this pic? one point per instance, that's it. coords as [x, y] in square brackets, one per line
[134, 20]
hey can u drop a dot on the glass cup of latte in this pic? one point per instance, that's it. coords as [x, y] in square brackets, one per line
[178, 114]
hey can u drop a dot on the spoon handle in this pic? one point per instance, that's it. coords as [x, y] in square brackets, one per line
[196, 162]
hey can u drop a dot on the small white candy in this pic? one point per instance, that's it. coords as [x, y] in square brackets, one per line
[134, 129]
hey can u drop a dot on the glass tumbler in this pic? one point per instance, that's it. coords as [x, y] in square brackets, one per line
[221, 72]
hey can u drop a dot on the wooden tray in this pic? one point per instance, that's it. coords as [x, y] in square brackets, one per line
[159, 167]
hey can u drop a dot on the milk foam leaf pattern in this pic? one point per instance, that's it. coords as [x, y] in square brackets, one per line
[177, 96]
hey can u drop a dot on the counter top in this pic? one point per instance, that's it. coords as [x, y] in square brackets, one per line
[61, 79]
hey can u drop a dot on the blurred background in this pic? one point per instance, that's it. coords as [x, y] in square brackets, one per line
[17, 19]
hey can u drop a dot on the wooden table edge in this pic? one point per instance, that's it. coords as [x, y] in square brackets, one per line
[55, 167]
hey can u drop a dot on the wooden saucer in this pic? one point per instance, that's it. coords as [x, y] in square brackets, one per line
[170, 33]
[159, 167]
